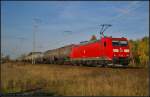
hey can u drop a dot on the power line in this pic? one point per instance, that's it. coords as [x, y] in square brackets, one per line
[131, 7]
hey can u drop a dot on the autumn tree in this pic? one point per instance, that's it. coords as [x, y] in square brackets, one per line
[140, 51]
[143, 51]
[93, 38]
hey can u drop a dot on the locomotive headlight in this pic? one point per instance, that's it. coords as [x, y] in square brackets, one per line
[126, 50]
[115, 50]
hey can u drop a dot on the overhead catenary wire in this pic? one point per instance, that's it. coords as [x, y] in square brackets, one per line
[131, 7]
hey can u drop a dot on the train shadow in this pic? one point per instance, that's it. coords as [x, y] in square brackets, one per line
[126, 67]
[30, 94]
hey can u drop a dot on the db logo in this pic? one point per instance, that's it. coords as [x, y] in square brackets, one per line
[121, 50]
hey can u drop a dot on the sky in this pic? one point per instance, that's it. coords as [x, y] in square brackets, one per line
[60, 23]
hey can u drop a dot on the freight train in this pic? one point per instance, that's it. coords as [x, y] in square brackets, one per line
[106, 51]
[102, 52]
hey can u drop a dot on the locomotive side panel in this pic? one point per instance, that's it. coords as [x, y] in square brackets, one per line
[106, 48]
[90, 50]
[98, 52]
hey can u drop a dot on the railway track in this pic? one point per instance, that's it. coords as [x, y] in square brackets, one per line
[100, 67]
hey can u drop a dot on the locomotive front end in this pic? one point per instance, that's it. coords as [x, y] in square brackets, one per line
[121, 51]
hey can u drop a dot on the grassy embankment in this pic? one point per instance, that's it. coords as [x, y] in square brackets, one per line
[74, 80]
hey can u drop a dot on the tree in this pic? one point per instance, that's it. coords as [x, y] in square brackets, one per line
[93, 38]
[143, 51]
[22, 57]
[140, 51]
[7, 57]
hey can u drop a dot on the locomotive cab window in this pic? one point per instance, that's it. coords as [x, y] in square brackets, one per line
[115, 43]
[123, 43]
[119, 43]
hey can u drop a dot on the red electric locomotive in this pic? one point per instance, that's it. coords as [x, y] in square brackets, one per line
[105, 51]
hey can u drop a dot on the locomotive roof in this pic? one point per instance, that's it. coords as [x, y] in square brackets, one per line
[88, 42]
[115, 38]
[59, 48]
[122, 38]
[34, 53]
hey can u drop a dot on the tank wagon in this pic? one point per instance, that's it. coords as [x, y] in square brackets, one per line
[37, 57]
[59, 55]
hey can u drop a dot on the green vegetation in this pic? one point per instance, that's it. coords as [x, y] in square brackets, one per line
[140, 52]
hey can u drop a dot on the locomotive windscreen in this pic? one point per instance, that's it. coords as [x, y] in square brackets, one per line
[119, 43]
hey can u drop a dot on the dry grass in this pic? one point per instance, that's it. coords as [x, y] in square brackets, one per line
[74, 80]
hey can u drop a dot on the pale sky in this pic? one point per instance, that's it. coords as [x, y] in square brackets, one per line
[68, 22]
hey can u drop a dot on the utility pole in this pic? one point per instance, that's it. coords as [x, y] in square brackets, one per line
[33, 44]
[34, 31]
[35, 27]
[22, 39]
